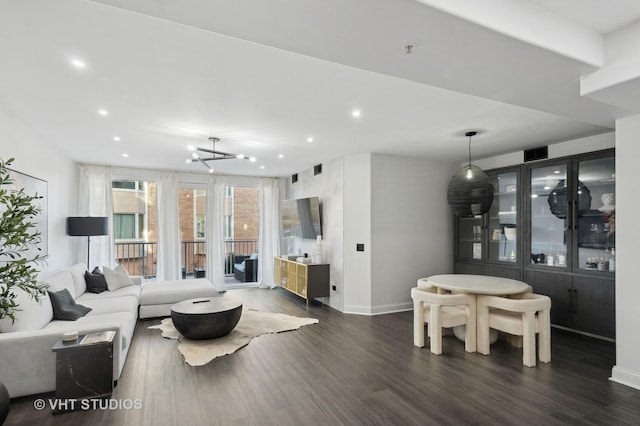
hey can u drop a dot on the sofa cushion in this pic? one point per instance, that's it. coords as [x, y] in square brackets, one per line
[132, 290]
[60, 280]
[96, 283]
[77, 273]
[116, 278]
[160, 293]
[31, 316]
[65, 308]
[125, 321]
[106, 305]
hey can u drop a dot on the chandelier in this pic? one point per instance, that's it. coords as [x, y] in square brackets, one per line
[470, 193]
[213, 154]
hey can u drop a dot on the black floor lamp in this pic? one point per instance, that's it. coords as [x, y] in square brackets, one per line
[87, 227]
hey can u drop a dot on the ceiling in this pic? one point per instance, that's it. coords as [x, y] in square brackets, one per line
[266, 76]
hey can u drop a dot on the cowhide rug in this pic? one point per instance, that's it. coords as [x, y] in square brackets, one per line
[252, 324]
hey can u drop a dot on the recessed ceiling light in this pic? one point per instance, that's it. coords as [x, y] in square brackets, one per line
[280, 155]
[556, 172]
[546, 188]
[309, 139]
[253, 159]
[240, 156]
[261, 167]
[116, 138]
[125, 155]
[191, 147]
[188, 160]
[103, 112]
[210, 170]
[356, 113]
[534, 195]
[78, 64]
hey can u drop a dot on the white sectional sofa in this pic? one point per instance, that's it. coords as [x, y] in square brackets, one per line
[27, 364]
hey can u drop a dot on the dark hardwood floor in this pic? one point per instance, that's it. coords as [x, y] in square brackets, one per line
[356, 370]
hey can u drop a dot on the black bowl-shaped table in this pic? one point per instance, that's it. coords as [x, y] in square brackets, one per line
[206, 318]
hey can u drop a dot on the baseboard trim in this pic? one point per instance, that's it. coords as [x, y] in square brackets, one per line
[625, 377]
[378, 309]
[584, 333]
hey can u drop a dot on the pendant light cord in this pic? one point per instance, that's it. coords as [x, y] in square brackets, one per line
[470, 134]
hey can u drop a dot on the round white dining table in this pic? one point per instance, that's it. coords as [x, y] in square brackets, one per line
[478, 284]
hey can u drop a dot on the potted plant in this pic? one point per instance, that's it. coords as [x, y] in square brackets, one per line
[18, 237]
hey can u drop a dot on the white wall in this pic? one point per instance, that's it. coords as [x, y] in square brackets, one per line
[412, 227]
[562, 149]
[357, 230]
[328, 186]
[627, 368]
[34, 156]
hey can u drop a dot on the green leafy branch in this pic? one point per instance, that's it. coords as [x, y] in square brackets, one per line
[19, 237]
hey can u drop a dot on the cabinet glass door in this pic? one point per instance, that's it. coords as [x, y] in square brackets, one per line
[550, 208]
[503, 218]
[596, 214]
[470, 237]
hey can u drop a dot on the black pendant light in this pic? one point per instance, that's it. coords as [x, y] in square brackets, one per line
[470, 193]
[558, 200]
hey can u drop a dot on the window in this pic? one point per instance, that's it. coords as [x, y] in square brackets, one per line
[128, 184]
[134, 210]
[128, 226]
[200, 224]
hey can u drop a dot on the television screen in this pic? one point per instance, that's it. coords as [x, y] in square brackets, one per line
[301, 218]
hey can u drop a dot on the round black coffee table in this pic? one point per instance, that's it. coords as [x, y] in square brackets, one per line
[206, 318]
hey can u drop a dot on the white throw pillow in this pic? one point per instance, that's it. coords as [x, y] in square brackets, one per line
[116, 278]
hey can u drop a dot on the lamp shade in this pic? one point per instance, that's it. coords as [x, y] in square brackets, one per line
[470, 192]
[87, 226]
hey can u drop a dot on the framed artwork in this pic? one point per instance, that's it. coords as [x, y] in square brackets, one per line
[33, 186]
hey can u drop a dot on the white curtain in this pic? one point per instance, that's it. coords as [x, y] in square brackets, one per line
[214, 232]
[269, 235]
[95, 198]
[168, 261]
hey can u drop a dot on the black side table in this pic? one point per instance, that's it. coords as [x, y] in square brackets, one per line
[84, 369]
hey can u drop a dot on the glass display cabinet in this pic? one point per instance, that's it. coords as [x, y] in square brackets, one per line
[490, 244]
[572, 215]
[596, 227]
[502, 218]
[549, 213]
[570, 238]
[551, 224]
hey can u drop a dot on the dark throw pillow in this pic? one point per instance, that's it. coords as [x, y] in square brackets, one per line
[65, 308]
[96, 283]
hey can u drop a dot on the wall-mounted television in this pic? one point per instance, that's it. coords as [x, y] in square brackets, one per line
[301, 218]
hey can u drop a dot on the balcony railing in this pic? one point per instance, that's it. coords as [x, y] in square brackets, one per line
[139, 258]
